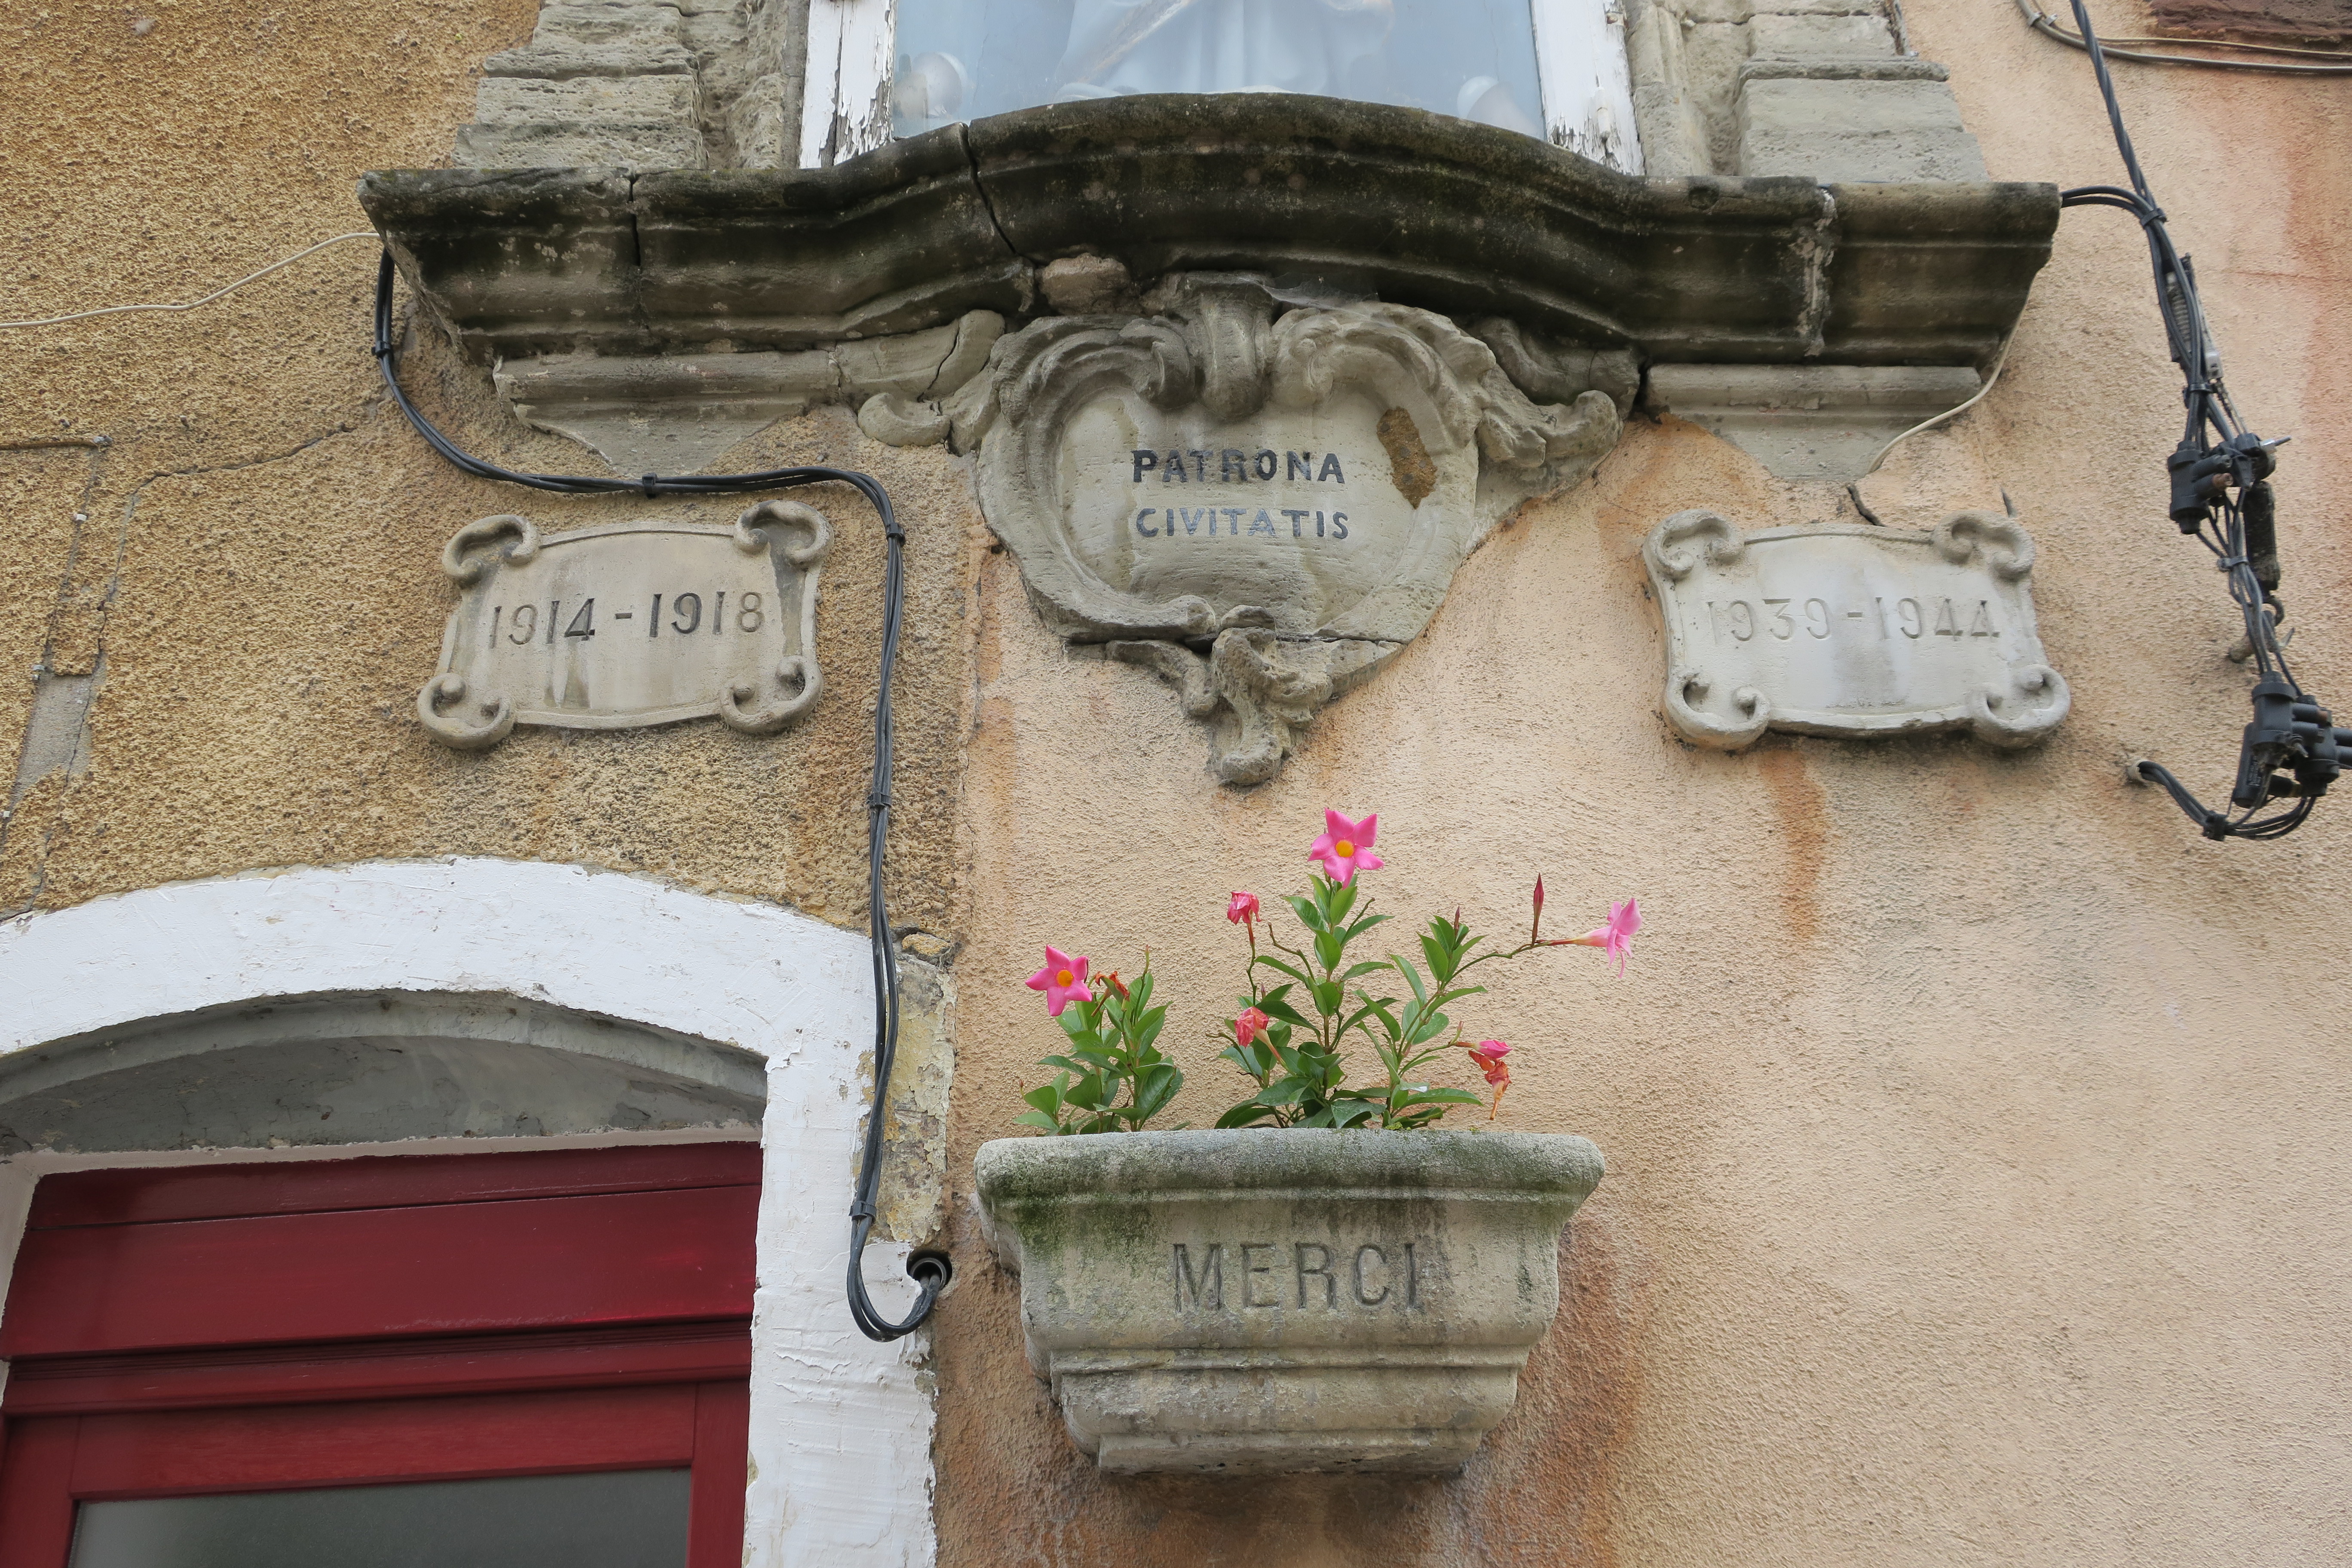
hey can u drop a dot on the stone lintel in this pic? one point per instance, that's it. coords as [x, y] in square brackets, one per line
[1811, 422]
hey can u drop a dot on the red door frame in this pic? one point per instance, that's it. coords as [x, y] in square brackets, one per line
[266, 1327]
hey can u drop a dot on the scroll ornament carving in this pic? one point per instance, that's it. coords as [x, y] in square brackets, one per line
[1259, 504]
[627, 625]
[1852, 630]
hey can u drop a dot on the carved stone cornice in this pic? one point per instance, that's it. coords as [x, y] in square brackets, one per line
[1336, 198]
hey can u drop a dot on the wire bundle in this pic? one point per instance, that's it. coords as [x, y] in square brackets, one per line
[2221, 495]
[928, 1270]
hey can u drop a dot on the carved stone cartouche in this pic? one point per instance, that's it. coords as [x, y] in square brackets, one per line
[1851, 630]
[625, 625]
[1259, 504]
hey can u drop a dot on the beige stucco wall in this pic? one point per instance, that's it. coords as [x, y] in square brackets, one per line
[259, 559]
[1971, 1124]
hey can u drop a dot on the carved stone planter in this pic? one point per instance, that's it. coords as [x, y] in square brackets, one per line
[1264, 1300]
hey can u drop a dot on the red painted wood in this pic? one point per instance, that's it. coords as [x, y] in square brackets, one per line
[223, 1191]
[36, 1495]
[187, 1324]
[620, 1258]
[377, 1370]
[275, 1447]
[722, 1426]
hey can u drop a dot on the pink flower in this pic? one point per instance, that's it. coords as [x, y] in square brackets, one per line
[1062, 979]
[1346, 848]
[1489, 1055]
[1244, 907]
[1616, 938]
[1535, 930]
[1249, 1025]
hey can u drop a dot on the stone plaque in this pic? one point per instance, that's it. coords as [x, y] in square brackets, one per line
[629, 623]
[1852, 630]
[1258, 501]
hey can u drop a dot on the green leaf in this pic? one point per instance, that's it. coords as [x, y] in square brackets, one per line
[1244, 1114]
[1439, 957]
[1154, 1090]
[1282, 1091]
[1330, 950]
[1422, 1094]
[1274, 1005]
[1411, 978]
[1290, 969]
[1036, 1119]
[1088, 1094]
[1384, 1009]
[1362, 926]
[1308, 914]
[1047, 1098]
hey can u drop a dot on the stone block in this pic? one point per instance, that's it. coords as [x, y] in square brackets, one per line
[652, 100]
[1821, 38]
[628, 121]
[1854, 129]
[1811, 422]
[560, 58]
[574, 146]
[1815, 9]
[1279, 1300]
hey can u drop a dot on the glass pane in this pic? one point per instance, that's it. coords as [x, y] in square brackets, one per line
[632, 1518]
[963, 60]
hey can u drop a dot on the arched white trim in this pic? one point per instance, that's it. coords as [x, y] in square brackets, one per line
[841, 1430]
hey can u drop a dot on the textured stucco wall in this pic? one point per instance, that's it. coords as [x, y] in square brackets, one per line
[1971, 1124]
[258, 563]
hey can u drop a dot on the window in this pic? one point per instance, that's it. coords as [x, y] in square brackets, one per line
[1551, 68]
[491, 1360]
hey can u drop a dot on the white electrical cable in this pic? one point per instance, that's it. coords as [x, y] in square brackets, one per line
[114, 310]
[2000, 360]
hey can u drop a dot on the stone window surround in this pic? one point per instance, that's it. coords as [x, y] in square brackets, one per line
[841, 1427]
[1825, 87]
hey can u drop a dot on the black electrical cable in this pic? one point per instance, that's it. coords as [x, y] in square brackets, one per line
[928, 1270]
[2221, 495]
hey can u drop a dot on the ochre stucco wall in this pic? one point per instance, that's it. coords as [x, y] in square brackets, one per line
[259, 559]
[1972, 1192]
[1971, 1123]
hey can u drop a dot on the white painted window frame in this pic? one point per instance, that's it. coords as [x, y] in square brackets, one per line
[841, 1427]
[1580, 63]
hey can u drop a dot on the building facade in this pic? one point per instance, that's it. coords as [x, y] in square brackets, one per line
[1506, 420]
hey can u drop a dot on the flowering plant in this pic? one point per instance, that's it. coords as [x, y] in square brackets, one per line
[1303, 1006]
[1111, 1026]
